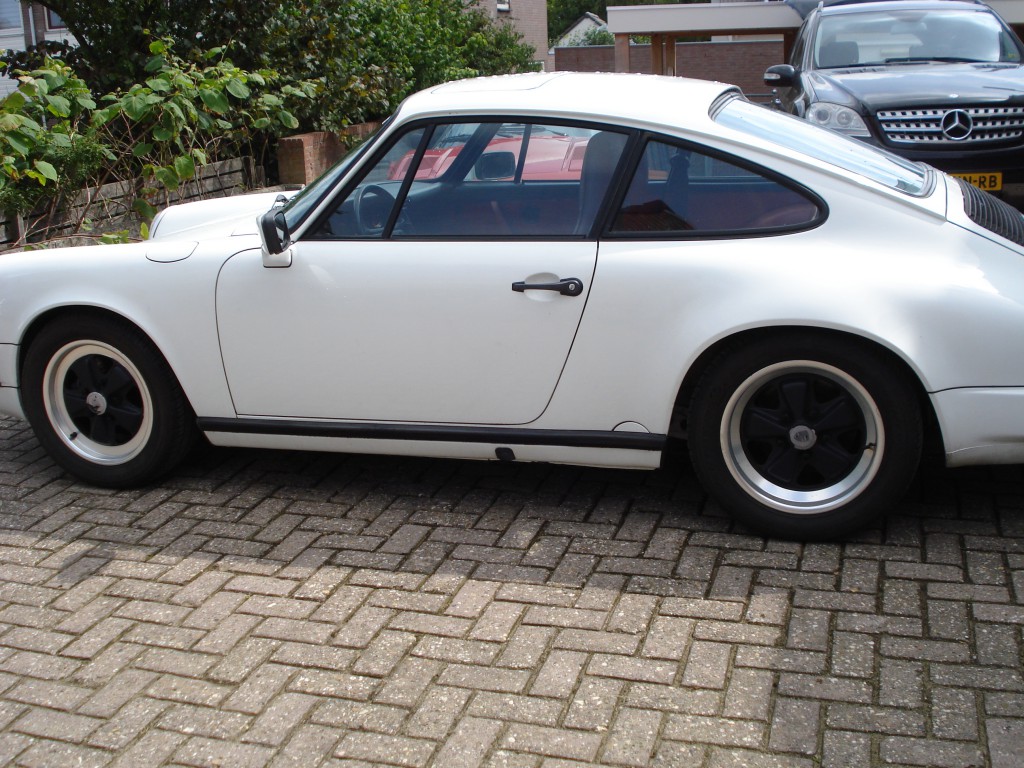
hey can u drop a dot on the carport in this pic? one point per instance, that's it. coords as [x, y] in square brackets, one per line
[666, 24]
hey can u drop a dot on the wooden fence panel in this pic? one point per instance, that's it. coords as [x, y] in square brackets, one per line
[108, 207]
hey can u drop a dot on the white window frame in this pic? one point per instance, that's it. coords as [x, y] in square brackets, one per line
[51, 26]
[15, 7]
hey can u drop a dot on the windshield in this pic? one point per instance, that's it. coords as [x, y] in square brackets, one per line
[302, 203]
[888, 37]
[824, 145]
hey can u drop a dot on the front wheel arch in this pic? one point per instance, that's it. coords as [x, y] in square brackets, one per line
[148, 422]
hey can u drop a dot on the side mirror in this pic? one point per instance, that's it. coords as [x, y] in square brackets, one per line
[781, 76]
[493, 166]
[274, 233]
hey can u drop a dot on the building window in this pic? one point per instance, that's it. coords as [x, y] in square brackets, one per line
[54, 22]
[10, 15]
[504, 6]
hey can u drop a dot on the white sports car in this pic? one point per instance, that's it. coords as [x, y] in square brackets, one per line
[553, 267]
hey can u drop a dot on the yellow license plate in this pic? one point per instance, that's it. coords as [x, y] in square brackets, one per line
[990, 182]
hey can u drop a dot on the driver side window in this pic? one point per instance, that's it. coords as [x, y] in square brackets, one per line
[484, 180]
[365, 211]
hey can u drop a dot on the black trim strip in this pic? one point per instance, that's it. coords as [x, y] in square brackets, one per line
[639, 441]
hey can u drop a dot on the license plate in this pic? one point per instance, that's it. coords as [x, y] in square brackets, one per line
[990, 182]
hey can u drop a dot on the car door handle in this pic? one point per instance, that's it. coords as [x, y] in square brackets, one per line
[569, 286]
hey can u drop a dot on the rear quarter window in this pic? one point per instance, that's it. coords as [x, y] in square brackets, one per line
[679, 190]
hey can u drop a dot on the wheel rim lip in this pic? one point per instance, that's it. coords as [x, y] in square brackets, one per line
[60, 418]
[795, 501]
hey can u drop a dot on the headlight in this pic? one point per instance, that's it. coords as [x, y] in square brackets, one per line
[838, 118]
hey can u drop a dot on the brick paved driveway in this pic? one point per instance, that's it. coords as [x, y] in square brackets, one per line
[299, 609]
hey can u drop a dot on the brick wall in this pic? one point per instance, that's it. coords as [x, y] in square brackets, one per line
[530, 18]
[740, 62]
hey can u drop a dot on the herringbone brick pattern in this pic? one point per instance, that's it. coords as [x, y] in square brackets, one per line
[269, 609]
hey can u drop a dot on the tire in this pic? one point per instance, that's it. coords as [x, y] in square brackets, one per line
[104, 403]
[805, 436]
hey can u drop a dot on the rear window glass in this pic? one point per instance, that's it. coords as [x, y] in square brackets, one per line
[826, 146]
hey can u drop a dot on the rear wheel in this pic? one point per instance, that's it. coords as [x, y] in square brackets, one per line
[805, 436]
[104, 403]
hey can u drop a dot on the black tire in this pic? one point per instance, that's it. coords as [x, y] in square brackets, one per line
[104, 403]
[805, 436]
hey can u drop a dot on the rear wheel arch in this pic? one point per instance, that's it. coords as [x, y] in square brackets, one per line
[755, 336]
[803, 433]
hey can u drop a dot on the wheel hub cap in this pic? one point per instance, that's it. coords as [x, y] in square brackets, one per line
[97, 403]
[802, 437]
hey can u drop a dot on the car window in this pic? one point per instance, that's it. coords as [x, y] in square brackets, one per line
[366, 210]
[792, 133]
[894, 36]
[483, 179]
[680, 190]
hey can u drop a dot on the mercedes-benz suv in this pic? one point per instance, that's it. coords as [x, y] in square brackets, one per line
[939, 81]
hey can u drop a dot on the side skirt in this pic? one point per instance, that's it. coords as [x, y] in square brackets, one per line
[641, 441]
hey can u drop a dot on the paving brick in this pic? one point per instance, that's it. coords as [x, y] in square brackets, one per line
[1004, 740]
[154, 748]
[441, 709]
[930, 752]
[551, 742]
[408, 681]
[593, 705]
[632, 738]
[714, 730]
[795, 726]
[201, 751]
[876, 719]
[360, 716]
[517, 708]
[707, 665]
[51, 724]
[485, 678]
[400, 750]
[189, 719]
[559, 674]
[309, 746]
[469, 743]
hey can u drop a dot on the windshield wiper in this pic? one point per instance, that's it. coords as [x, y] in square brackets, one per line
[942, 59]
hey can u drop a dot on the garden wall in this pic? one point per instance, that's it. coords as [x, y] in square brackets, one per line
[108, 207]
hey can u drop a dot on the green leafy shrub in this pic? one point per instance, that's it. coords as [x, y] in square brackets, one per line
[55, 139]
[46, 148]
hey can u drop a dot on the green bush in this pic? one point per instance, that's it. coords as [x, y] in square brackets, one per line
[55, 138]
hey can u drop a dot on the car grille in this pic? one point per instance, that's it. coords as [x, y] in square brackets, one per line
[973, 125]
[992, 213]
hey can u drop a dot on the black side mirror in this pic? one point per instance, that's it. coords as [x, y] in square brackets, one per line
[780, 76]
[493, 166]
[274, 232]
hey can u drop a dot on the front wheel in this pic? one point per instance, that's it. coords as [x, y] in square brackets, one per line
[806, 437]
[104, 403]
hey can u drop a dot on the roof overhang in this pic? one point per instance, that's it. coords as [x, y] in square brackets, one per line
[703, 18]
[774, 16]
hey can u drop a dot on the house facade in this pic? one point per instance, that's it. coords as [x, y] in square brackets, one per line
[530, 18]
[23, 25]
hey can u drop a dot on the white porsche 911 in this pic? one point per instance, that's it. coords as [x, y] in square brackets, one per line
[556, 267]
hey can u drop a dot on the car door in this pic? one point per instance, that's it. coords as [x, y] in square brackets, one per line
[446, 286]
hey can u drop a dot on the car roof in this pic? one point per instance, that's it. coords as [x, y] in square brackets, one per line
[620, 97]
[864, 6]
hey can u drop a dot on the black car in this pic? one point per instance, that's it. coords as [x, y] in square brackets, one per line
[939, 81]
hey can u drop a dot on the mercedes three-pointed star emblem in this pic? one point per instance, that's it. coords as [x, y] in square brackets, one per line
[957, 125]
